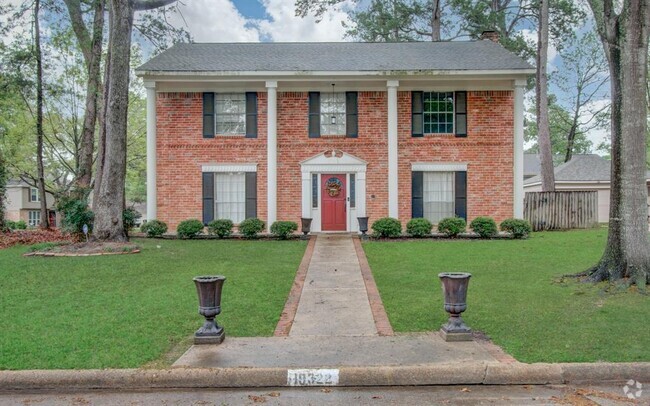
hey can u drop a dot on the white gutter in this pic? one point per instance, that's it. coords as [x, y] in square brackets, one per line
[298, 73]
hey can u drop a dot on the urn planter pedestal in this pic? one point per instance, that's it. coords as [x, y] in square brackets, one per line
[454, 289]
[363, 226]
[306, 226]
[209, 289]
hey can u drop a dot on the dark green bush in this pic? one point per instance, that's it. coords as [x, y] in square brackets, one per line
[154, 228]
[517, 227]
[21, 225]
[221, 228]
[387, 227]
[419, 227]
[251, 227]
[189, 228]
[130, 217]
[283, 229]
[485, 227]
[74, 214]
[452, 226]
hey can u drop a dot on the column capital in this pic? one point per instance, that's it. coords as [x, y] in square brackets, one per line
[272, 83]
[149, 84]
[392, 83]
[520, 83]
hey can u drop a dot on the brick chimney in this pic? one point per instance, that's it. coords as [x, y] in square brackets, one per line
[490, 35]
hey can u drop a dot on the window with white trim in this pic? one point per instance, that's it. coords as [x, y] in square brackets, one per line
[34, 195]
[34, 218]
[438, 195]
[230, 196]
[230, 113]
[438, 112]
[332, 113]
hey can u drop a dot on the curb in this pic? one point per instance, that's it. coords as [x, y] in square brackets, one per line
[470, 373]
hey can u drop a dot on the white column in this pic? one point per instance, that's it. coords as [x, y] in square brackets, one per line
[518, 184]
[392, 148]
[272, 153]
[151, 150]
[361, 194]
[306, 194]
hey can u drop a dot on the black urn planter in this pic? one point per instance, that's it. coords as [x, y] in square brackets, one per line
[306, 225]
[208, 289]
[454, 289]
[363, 225]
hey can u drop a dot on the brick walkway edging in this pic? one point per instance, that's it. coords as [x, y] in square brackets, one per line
[376, 305]
[283, 327]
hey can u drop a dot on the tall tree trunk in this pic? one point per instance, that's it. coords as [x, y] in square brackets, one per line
[109, 201]
[435, 20]
[571, 137]
[625, 41]
[101, 140]
[92, 51]
[543, 131]
[45, 221]
[3, 190]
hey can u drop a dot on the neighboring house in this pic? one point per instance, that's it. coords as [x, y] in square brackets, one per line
[24, 203]
[584, 172]
[334, 131]
[532, 165]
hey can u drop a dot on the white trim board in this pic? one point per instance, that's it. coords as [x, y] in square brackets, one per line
[229, 168]
[438, 167]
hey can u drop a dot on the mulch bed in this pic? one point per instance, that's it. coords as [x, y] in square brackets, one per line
[30, 237]
[86, 249]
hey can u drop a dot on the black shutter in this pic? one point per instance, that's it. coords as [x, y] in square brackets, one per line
[314, 114]
[461, 114]
[208, 115]
[460, 194]
[208, 197]
[351, 115]
[417, 114]
[251, 194]
[251, 115]
[417, 194]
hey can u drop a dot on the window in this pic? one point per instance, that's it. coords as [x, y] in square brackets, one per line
[353, 191]
[230, 196]
[34, 219]
[438, 112]
[230, 113]
[438, 195]
[314, 190]
[33, 195]
[333, 114]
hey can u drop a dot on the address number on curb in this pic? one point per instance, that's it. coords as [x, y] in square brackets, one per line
[312, 377]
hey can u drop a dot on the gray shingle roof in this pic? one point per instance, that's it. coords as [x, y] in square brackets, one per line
[532, 164]
[581, 168]
[336, 56]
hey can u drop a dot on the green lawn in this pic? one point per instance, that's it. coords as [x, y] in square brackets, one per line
[125, 311]
[514, 297]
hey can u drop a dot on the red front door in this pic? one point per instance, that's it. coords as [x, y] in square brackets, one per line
[334, 204]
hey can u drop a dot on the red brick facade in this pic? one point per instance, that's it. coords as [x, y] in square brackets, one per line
[487, 150]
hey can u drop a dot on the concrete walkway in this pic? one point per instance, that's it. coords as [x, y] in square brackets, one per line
[334, 301]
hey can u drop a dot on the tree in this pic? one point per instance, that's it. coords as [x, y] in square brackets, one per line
[624, 36]
[111, 192]
[3, 190]
[541, 99]
[45, 222]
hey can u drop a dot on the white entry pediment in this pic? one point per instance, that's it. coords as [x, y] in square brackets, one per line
[333, 160]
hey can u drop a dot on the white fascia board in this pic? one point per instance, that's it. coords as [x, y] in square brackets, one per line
[438, 166]
[229, 168]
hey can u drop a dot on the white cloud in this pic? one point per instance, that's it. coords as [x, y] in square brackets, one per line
[531, 36]
[283, 24]
[216, 21]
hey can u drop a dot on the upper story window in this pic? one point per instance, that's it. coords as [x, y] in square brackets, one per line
[34, 196]
[333, 114]
[439, 113]
[230, 114]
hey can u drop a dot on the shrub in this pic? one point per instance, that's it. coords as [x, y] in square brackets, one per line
[154, 228]
[74, 214]
[283, 229]
[251, 227]
[387, 227]
[130, 217]
[419, 227]
[21, 225]
[220, 227]
[9, 225]
[517, 227]
[485, 227]
[452, 226]
[189, 228]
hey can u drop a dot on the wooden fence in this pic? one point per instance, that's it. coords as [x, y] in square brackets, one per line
[561, 210]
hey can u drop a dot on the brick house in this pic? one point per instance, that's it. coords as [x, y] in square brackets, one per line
[334, 131]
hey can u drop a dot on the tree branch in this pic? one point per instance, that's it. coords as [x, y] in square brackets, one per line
[142, 5]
